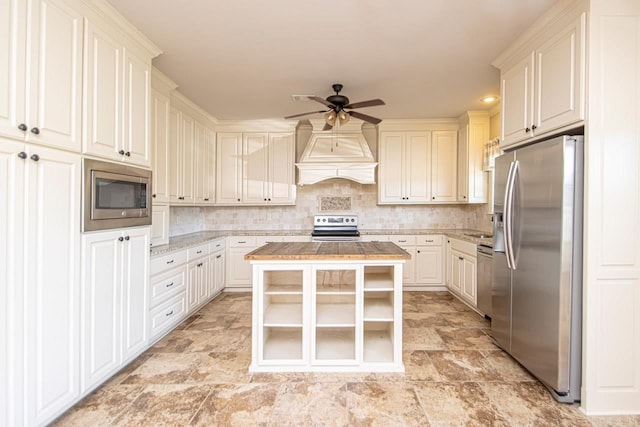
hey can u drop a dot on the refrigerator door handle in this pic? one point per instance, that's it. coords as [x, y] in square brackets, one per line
[508, 215]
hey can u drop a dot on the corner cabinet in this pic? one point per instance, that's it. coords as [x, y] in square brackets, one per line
[115, 269]
[544, 90]
[417, 167]
[255, 168]
[40, 276]
[473, 134]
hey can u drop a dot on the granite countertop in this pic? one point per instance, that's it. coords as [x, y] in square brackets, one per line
[327, 251]
[187, 240]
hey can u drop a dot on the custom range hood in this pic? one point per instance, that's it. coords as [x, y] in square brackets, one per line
[342, 152]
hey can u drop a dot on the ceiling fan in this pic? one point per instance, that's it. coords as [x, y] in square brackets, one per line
[337, 104]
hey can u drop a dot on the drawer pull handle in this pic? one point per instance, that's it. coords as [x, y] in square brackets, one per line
[169, 313]
[200, 265]
[460, 258]
[402, 241]
[170, 262]
[170, 285]
[429, 241]
[199, 252]
[244, 241]
[218, 256]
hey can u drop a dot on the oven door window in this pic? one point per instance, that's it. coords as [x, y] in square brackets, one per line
[119, 194]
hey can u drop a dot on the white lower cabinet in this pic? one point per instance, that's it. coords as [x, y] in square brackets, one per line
[462, 263]
[39, 282]
[198, 278]
[115, 269]
[318, 316]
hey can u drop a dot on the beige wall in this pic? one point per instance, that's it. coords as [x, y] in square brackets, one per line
[494, 124]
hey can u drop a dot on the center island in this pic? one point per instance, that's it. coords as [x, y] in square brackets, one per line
[327, 307]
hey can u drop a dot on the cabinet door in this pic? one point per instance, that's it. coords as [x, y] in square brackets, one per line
[281, 184]
[468, 271]
[52, 236]
[559, 79]
[229, 168]
[238, 270]
[12, 67]
[205, 277]
[55, 80]
[102, 276]
[201, 175]
[391, 168]
[197, 280]
[408, 271]
[255, 154]
[12, 174]
[160, 225]
[463, 164]
[160, 147]
[135, 278]
[517, 103]
[444, 147]
[187, 150]
[448, 265]
[137, 84]
[219, 270]
[175, 155]
[103, 93]
[429, 265]
[417, 152]
[456, 273]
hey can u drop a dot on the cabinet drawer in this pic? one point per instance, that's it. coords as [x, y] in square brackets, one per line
[198, 251]
[242, 241]
[464, 247]
[429, 240]
[374, 238]
[263, 240]
[216, 245]
[403, 240]
[167, 314]
[167, 284]
[167, 262]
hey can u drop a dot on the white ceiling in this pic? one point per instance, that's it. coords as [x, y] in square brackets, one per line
[243, 59]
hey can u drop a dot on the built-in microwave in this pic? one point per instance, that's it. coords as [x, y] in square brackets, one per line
[115, 195]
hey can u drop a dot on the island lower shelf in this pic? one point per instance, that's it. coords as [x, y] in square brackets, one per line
[331, 315]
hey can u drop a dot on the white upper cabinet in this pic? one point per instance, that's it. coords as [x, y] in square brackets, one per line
[181, 145]
[41, 72]
[544, 90]
[473, 134]
[255, 168]
[443, 166]
[404, 171]
[116, 97]
[204, 162]
[229, 168]
[160, 109]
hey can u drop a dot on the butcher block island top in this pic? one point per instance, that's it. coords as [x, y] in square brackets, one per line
[327, 251]
[327, 307]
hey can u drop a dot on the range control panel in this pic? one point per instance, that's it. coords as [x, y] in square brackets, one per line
[336, 220]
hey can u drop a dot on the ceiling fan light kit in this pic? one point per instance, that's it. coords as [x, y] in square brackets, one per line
[337, 104]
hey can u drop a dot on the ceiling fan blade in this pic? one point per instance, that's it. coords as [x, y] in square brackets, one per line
[305, 114]
[369, 103]
[364, 117]
[322, 101]
[327, 126]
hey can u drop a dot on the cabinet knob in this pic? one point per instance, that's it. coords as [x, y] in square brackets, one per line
[153, 195]
[35, 131]
[238, 199]
[121, 152]
[206, 200]
[128, 154]
[464, 197]
[218, 256]
[35, 157]
[22, 127]
[418, 251]
[433, 198]
[534, 127]
[170, 262]
[527, 130]
[265, 200]
[269, 200]
[120, 239]
[22, 155]
[460, 258]
[126, 237]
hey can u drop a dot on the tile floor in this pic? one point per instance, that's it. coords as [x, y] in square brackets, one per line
[197, 375]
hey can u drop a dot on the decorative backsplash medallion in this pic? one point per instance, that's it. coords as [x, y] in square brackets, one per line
[335, 203]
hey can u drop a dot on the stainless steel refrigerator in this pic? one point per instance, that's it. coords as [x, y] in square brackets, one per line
[537, 261]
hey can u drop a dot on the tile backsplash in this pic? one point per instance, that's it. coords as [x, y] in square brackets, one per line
[333, 194]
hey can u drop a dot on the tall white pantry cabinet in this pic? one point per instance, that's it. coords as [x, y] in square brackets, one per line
[46, 73]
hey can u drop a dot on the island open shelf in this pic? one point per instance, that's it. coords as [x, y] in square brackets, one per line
[327, 307]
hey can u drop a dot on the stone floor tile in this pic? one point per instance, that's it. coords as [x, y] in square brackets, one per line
[237, 405]
[163, 368]
[164, 405]
[463, 365]
[509, 368]
[383, 404]
[302, 404]
[465, 338]
[422, 339]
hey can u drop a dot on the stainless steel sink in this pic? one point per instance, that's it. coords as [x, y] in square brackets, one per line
[479, 235]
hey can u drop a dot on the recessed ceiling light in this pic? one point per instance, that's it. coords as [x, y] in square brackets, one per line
[302, 97]
[489, 99]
